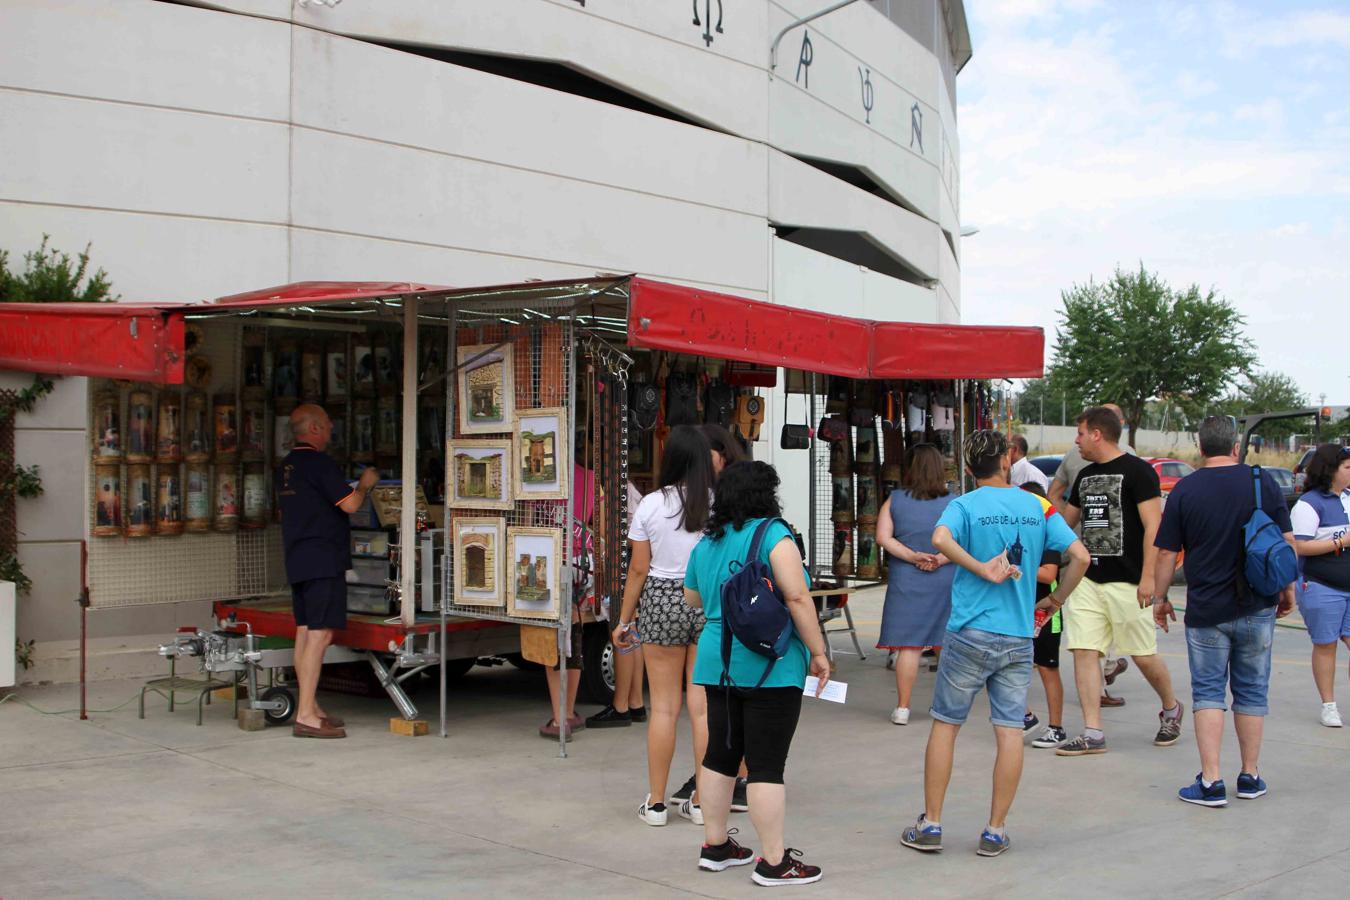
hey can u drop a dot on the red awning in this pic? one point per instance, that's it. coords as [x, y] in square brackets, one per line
[144, 342]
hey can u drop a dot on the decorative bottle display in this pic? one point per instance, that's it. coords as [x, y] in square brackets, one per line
[255, 495]
[169, 446]
[335, 365]
[842, 555]
[363, 367]
[199, 499]
[286, 370]
[227, 498]
[841, 499]
[311, 371]
[226, 418]
[108, 426]
[196, 428]
[869, 563]
[253, 437]
[255, 368]
[108, 500]
[169, 508]
[282, 439]
[387, 429]
[140, 501]
[140, 427]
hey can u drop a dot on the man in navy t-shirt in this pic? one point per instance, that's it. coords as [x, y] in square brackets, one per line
[315, 503]
[1229, 630]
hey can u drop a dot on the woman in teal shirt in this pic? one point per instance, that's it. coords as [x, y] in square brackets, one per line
[744, 721]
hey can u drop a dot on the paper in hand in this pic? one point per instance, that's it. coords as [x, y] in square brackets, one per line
[835, 691]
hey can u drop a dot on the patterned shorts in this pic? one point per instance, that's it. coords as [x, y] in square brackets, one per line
[663, 616]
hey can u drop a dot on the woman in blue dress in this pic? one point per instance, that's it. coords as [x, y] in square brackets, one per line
[919, 586]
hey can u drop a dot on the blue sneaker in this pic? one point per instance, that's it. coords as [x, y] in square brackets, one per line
[993, 844]
[1250, 786]
[923, 837]
[1214, 795]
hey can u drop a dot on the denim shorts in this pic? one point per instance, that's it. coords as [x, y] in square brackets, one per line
[973, 659]
[1232, 655]
[1325, 610]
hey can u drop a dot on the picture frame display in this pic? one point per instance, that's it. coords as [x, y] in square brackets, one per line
[478, 553]
[533, 572]
[541, 454]
[486, 391]
[478, 473]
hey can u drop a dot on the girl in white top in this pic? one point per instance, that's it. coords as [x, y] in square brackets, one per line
[665, 528]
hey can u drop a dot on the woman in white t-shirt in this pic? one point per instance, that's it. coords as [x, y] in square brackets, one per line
[665, 527]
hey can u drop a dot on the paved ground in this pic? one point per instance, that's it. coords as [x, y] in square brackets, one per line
[127, 808]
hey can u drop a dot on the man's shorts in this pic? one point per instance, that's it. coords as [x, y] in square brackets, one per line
[973, 659]
[1101, 616]
[1232, 656]
[1325, 610]
[320, 602]
[1045, 647]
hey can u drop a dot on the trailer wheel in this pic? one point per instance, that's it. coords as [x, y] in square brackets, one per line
[597, 664]
[287, 698]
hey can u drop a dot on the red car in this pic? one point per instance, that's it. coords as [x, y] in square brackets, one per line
[1170, 471]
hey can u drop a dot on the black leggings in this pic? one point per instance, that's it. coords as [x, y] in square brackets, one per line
[762, 722]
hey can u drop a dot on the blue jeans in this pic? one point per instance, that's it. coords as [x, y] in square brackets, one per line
[1233, 654]
[973, 659]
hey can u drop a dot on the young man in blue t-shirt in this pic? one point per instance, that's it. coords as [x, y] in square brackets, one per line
[996, 534]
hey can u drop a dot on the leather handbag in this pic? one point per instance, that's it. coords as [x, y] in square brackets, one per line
[719, 403]
[832, 429]
[644, 405]
[793, 437]
[681, 399]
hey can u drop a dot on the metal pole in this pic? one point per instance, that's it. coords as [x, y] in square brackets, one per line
[407, 524]
[773, 48]
[810, 471]
[565, 589]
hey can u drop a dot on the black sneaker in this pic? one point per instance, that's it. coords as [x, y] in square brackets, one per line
[1082, 746]
[1169, 730]
[715, 859]
[638, 713]
[609, 717]
[685, 792]
[739, 801]
[789, 871]
[1029, 721]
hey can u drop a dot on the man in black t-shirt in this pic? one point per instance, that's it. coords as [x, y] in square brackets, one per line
[315, 502]
[1229, 631]
[1115, 499]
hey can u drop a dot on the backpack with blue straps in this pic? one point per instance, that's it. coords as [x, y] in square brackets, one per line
[1269, 562]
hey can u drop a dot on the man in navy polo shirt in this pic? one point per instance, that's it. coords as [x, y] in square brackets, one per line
[315, 502]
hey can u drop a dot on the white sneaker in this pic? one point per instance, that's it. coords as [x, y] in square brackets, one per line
[900, 716]
[691, 811]
[1331, 716]
[649, 814]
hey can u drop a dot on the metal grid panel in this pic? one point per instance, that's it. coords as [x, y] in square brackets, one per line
[542, 339]
[821, 544]
[125, 571]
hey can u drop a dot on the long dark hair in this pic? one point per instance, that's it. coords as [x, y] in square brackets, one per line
[686, 466]
[1322, 467]
[723, 442]
[747, 490]
[925, 478]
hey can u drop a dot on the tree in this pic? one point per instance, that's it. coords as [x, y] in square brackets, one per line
[1267, 391]
[1060, 405]
[51, 276]
[1134, 339]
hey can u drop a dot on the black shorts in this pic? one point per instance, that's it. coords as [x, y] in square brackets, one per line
[320, 602]
[1045, 647]
[756, 725]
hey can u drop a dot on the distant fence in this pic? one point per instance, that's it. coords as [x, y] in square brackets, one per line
[1058, 438]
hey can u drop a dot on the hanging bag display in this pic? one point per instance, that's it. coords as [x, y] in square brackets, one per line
[793, 437]
[719, 403]
[644, 405]
[681, 399]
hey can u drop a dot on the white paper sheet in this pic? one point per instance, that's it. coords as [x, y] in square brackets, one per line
[835, 691]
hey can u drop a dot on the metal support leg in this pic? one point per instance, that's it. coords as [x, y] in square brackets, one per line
[392, 687]
[564, 638]
[853, 631]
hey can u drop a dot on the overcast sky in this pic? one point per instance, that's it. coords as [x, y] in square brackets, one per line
[1209, 140]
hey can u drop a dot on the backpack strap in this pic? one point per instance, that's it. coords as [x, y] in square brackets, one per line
[1256, 485]
[758, 540]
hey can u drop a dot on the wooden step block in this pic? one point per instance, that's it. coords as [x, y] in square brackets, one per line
[251, 719]
[407, 727]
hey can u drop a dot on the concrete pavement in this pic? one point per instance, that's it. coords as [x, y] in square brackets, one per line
[120, 807]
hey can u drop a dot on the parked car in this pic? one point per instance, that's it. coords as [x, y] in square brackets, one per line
[1170, 471]
[1285, 479]
[1047, 464]
[1301, 470]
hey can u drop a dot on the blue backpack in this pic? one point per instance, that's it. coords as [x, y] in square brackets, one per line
[1269, 563]
[754, 611]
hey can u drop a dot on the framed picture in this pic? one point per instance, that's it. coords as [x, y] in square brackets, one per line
[541, 454]
[477, 548]
[487, 391]
[478, 473]
[533, 568]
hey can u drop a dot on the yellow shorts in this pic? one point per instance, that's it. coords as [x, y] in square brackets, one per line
[1101, 616]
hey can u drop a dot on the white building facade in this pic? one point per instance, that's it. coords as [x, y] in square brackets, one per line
[205, 149]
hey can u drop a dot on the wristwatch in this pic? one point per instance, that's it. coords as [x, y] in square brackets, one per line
[1156, 599]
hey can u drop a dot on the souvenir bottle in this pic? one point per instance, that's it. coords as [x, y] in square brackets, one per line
[140, 427]
[199, 498]
[107, 426]
[107, 500]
